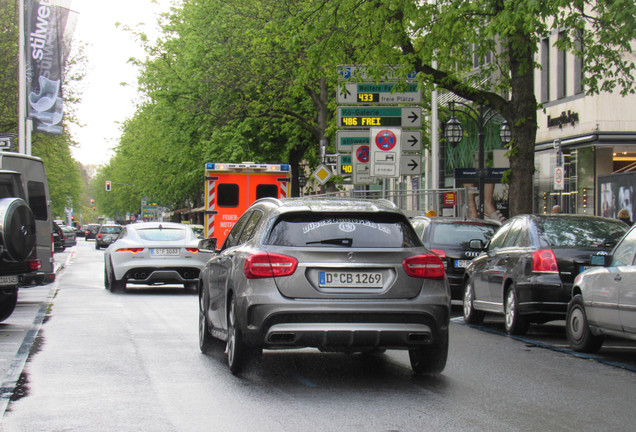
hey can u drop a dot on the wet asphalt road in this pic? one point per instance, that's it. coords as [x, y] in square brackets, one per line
[130, 362]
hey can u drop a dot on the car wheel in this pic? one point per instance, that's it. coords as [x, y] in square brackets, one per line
[471, 315]
[96, 246]
[205, 337]
[237, 352]
[116, 285]
[577, 329]
[8, 302]
[429, 359]
[106, 280]
[515, 323]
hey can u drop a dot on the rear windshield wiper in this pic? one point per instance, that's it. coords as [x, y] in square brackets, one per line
[342, 241]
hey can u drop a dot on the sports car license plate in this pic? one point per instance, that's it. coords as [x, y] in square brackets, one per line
[164, 252]
[462, 263]
[350, 279]
[11, 280]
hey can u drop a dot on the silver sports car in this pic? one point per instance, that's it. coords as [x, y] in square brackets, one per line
[153, 253]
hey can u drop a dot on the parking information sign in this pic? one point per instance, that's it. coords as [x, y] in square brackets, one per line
[361, 166]
[385, 151]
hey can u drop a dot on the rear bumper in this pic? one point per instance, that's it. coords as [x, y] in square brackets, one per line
[277, 322]
[150, 276]
[544, 299]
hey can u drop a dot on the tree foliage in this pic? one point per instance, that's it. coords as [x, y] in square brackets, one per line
[255, 80]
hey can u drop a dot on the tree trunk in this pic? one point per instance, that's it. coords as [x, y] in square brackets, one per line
[521, 112]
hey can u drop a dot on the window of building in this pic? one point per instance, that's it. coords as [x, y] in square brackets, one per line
[562, 72]
[545, 70]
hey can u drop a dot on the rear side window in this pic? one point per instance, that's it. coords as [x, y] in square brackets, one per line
[37, 200]
[351, 230]
[266, 190]
[227, 195]
[164, 234]
[460, 233]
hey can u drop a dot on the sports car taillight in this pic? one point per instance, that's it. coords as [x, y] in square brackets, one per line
[427, 266]
[266, 265]
[544, 261]
[131, 250]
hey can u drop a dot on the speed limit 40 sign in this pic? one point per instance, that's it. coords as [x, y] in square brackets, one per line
[559, 175]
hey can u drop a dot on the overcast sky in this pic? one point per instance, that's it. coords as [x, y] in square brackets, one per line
[106, 103]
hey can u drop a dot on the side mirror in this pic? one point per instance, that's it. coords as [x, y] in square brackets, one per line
[599, 260]
[207, 245]
[476, 244]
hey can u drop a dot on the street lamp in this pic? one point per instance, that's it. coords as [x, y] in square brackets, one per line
[481, 116]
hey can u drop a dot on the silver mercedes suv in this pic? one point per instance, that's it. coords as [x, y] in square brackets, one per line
[334, 274]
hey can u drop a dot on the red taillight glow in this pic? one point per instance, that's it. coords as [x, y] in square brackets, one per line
[35, 264]
[131, 250]
[427, 266]
[266, 265]
[544, 261]
[192, 250]
[439, 252]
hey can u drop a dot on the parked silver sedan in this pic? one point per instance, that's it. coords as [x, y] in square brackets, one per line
[153, 253]
[604, 298]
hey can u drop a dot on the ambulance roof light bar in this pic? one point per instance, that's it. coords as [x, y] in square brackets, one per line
[246, 166]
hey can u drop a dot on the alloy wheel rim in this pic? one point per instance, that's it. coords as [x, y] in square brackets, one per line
[231, 340]
[468, 300]
[576, 323]
[510, 309]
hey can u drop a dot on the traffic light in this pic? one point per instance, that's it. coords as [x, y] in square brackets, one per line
[108, 185]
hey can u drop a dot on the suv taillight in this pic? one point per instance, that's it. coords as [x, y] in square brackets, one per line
[427, 266]
[439, 252]
[544, 261]
[34, 264]
[266, 265]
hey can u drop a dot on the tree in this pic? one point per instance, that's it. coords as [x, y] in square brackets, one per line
[416, 35]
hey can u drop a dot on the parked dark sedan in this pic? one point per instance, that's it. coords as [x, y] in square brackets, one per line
[528, 269]
[457, 241]
[338, 275]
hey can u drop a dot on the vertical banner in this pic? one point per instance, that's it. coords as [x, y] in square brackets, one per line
[47, 45]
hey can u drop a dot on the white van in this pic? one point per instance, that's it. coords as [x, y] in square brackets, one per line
[26, 224]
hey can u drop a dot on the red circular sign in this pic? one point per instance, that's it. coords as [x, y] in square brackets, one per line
[385, 140]
[362, 154]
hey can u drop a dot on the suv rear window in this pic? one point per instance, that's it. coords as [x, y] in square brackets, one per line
[352, 230]
[163, 234]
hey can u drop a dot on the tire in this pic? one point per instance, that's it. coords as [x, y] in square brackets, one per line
[237, 352]
[206, 340]
[471, 315]
[430, 359]
[17, 229]
[116, 286]
[515, 323]
[578, 330]
[97, 246]
[8, 302]
[106, 279]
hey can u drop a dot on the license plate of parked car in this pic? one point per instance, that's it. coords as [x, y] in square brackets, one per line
[350, 279]
[8, 280]
[462, 263]
[164, 251]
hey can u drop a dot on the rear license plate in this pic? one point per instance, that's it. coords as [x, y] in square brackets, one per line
[164, 252]
[11, 280]
[462, 263]
[350, 279]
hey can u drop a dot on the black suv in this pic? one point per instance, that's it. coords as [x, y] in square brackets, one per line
[26, 256]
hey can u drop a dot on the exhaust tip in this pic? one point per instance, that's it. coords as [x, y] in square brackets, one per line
[282, 338]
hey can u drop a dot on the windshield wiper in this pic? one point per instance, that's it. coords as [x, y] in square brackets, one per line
[342, 241]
